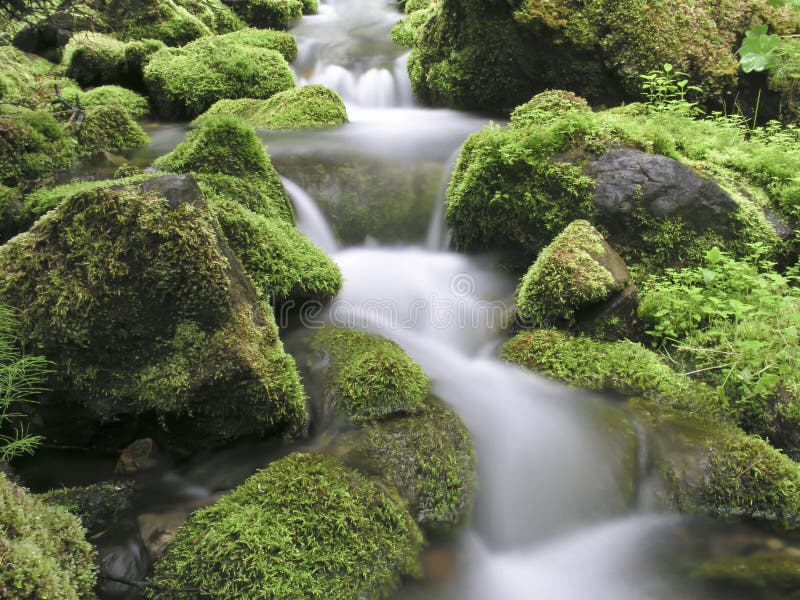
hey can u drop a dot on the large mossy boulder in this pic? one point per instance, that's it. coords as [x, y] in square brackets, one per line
[43, 549]
[306, 106]
[304, 527]
[174, 22]
[428, 457]
[577, 270]
[494, 54]
[184, 82]
[271, 14]
[135, 296]
[132, 103]
[97, 59]
[641, 179]
[370, 378]
[109, 127]
[252, 206]
[21, 76]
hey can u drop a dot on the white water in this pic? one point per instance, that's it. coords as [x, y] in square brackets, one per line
[547, 523]
[309, 218]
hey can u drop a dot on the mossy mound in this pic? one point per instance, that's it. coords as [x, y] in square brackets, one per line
[165, 20]
[184, 82]
[224, 145]
[110, 127]
[134, 295]
[305, 527]
[766, 574]
[495, 54]
[370, 378]
[623, 367]
[515, 188]
[20, 73]
[404, 33]
[428, 457]
[98, 506]
[43, 549]
[33, 144]
[305, 106]
[135, 105]
[98, 59]
[271, 14]
[576, 270]
[706, 465]
[310, 6]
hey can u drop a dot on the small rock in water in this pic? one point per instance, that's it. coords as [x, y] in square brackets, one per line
[135, 457]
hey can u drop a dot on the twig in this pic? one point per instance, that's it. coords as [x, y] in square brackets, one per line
[77, 110]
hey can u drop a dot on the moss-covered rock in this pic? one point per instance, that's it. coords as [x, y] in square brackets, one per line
[305, 527]
[310, 6]
[43, 549]
[495, 54]
[109, 127]
[98, 59]
[623, 367]
[98, 506]
[21, 73]
[576, 270]
[305, 106]
[765, 574]
[370, 378]
[164, 20]
[514, 189]
[428, 457]
[271, 14]
[33, 144]
[135, 105]
[700, 464]
[184, 82]
[134, 295]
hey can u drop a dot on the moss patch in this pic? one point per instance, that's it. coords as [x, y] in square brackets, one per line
[110, 127]
[370, 377]
[184, 82]
[135, 105]
[98, 506]
[306, 106]
[768, 575]
[305, 527]
[272, 14]
[428, 457]
[43, 549]
[98, 59]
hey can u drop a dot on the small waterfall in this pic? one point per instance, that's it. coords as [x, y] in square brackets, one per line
[310, 220]
[438, 236]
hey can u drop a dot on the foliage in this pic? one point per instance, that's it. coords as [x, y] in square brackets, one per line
[427, 456]
[184, 82]
[22, 377]
[271, 14]
[109, 127]
[370, 377]
[306, 106]
[736, 323]
[135, 105]
[304, 527]
[98, 59]
[43, 549]
[666, 89]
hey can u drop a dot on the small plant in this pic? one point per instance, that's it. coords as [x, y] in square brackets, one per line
[666, 90]
[763, 51]
[21, 378]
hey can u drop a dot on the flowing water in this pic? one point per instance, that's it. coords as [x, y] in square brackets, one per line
[551, 520]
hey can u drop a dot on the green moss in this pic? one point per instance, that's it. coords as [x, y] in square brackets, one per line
[98, 506]
[305, 527]
[270, 14]
[263, 195]
[574, 271]
[624, 367]
[184, 82]
[405, 32]
[306, 106]
[766, 574]
[142, 307]
[135, 105]
[98, 59]
[283, 42]
[214, 14]
[310, 6]
[370, 377]
[32, 144]
[43, 549]
[428, 457]
[706, 465]
[164, 20]
[220, 145]
[109, 127]
[20, 73]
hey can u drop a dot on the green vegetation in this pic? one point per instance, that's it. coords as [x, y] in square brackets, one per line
[624, 367]
[164, 20]
[370, 377]
[22, 376]
[98, 59]
[135, 105]
[272, 14]
[110, 127]
[98, 506]
[43, 549]
[142, 307]
[184, 82]
[576, 270]
[305, 527]
[736, 324]
[21, 75]
[306, 106]
[428, 457]
[766, 574]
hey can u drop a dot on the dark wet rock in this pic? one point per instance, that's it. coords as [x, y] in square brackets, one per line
[99, 506]
[124, 562]
[135, 457]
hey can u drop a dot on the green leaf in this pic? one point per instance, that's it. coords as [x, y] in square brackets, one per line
[714, 255]
[758, 51]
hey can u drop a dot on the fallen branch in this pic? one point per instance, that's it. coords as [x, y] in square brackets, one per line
[77, 109]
